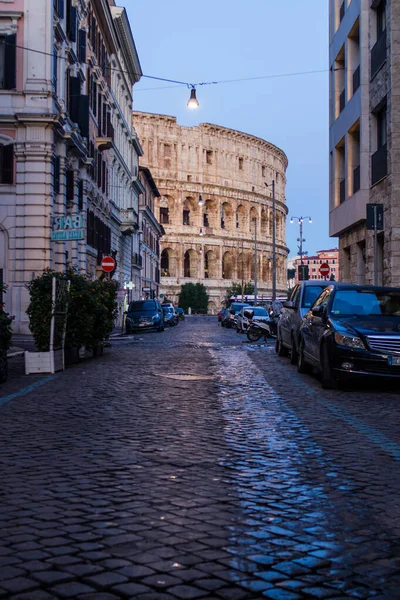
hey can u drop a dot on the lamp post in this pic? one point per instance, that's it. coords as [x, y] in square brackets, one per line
[255, 261]
[300, 239]
[273, 240]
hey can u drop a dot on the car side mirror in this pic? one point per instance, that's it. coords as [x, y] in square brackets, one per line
[318, 311]
[288, 304]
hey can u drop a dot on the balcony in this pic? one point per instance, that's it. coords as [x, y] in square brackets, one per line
[379, 164]
[356, 179]
[378, 54]
[356, 79]
[342, 191]
[129, 221]
[105, 142]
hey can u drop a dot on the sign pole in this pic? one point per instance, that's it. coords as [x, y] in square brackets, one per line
[375, 245]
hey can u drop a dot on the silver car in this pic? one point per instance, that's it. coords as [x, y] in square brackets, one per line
[299, 303]
[259, 314]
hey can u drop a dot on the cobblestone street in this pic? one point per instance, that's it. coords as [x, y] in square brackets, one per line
[190, 464]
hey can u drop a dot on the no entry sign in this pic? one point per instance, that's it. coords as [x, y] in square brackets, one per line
[324, 269]
[108, 264]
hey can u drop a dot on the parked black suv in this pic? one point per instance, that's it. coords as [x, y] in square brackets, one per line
[293, 310]
[144, 315]
[352, 330]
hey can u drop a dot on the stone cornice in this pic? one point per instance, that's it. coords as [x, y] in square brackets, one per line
[127, 43]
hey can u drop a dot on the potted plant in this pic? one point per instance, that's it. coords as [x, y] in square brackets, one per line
[5, 336]
[47, 313]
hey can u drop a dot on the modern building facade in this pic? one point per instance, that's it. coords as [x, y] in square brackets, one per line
[365, 136]
[329, 257]
[69, 186]
[214, 202]
[151, 232]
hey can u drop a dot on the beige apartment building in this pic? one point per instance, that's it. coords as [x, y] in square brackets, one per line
[213, 202]
[69, 177]
[365, 136]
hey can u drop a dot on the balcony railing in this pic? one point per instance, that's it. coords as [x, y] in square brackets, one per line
[378, 54]
[356, 179]
[356, 79]
[379, 164]
[342, 191]
[342, 101]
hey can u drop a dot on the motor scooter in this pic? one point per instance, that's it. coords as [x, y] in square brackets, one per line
[259, 329]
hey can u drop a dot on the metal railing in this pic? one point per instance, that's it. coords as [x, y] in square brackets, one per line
[379, 164]
[378, 54]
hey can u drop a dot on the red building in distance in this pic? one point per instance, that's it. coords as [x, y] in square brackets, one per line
[330, 257]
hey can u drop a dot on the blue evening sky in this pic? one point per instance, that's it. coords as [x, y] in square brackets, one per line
[212, 40]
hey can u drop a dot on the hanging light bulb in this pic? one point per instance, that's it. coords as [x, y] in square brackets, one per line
[193, 102]
[201, 231]
[201, 250]
[201, 201]
[310, 220]
[291, 221]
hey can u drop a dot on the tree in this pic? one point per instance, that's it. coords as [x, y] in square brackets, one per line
[193, 295]
[236, 289]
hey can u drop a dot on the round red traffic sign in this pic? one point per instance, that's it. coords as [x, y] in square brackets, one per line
[108, 264]
[324, 269]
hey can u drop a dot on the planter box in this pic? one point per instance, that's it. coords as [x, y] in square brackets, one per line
[44, 362]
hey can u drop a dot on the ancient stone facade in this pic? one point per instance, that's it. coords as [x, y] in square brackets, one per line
[365, 136]
[213, 241]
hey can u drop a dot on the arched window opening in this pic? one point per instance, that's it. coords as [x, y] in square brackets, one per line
[241, 218]
[264, 223]
[206, 267]
[210, 265]
[227, 266]
[6, 163]
[165, 264]
[186, 264]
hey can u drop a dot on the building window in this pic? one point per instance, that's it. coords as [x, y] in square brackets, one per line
[186, 217]
[8, 62]
[205, 220]
[59, 8]
[263, 171]
[164, 216]
[240, 164]
[379, 51]
[7, 164]
[379, 159]
[209, 157]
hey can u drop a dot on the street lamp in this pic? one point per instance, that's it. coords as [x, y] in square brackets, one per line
[300, 239]
[273, 240]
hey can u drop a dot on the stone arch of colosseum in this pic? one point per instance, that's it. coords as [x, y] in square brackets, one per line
[213, 242]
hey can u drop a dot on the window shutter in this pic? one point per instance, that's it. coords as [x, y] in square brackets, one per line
[7, 168]
[10, 62]
[70, 185]
[60, 9]
[82, 45]
[104, 120]
[56, 174]
[83, 117]
[72, 20]
[80, 195]
[74, 97]
[99, 113]
[94, 96]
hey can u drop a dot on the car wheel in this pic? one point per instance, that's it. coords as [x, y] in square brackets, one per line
[280, 348]
[253, 335]
[293, 353]
[302, 365]
[328, 378]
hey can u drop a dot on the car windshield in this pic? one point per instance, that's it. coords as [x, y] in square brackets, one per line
[142, 306]
[260, 312]
[168, 309]
[311, 293]
[238, 307]
[366, 302]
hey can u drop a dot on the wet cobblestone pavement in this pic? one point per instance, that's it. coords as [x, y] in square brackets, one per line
[191, 465]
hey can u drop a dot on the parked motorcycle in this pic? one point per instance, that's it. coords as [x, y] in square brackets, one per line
[259, 329]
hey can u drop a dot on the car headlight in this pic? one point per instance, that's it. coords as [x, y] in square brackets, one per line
[348, 341]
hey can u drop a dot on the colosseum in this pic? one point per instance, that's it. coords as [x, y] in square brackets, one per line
[213, 201]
